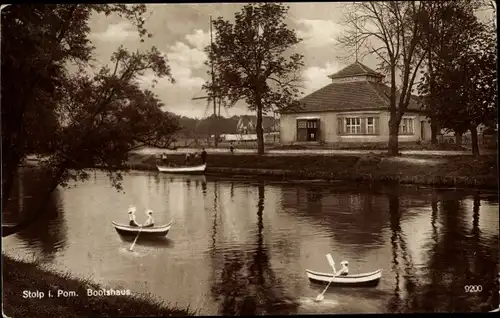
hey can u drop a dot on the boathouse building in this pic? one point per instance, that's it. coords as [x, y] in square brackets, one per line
[353, 108]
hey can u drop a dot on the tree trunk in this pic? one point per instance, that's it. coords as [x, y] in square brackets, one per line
[434, 131]
[12, 146]
[13, 134]
[474, 141]
[10, 162]
[9, 230]
[458, 138]
[259, 131]
[434, 126]
[216, 133]
[393, 135]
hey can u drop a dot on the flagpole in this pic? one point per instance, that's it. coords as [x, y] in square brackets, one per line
[214, 123]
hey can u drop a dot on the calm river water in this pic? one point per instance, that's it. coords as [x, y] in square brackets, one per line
[242, 246]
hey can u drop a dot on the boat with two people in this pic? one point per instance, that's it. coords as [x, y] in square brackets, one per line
[148, 229]
[154, 231]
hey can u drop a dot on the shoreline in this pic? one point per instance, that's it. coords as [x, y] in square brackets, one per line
[462, 171]
[33, 290]
[427, 170]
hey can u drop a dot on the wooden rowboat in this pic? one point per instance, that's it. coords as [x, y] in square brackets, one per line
[184, 170]
[154, 231]
[366, 279]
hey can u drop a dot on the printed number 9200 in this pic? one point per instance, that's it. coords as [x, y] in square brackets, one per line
[473, 288]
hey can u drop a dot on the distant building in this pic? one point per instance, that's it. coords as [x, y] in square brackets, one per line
[247, 124]
[353, 108]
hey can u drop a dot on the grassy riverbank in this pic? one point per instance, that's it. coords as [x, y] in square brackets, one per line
[459, 171]
[442, 146]
[20, 277]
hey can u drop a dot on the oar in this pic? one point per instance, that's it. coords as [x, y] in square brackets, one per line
[132, 247]
[320, 297]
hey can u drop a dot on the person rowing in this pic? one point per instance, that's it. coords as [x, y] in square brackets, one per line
[344, 270]
[150, 221]
[131, 216]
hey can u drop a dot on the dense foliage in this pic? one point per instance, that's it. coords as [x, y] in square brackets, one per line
[75, 118]
[460, 83]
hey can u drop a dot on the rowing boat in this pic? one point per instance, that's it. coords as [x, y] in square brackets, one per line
[186, 170]
[156, 231]
[366, 279]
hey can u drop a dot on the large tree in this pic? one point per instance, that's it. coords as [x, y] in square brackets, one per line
[253, 61]
[461, 85]
[38, 41]
[94, 118]
[392, 31]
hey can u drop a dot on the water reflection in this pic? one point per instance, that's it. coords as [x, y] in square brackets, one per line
[247, 283]
[204, 188]
[157, 242]
[403, 265]
[359, 218]
[48, 235]
[458, 258]
[242, 247]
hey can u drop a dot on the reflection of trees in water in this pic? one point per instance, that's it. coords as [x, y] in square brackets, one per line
[49, 233]
[459, 258]
[204, 188]
[157, 181]
[247, 284]
[314, 199]
[400, 250]
[356, 218]
[214, 212]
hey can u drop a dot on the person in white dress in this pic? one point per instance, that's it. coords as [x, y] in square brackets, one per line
[150, 221]
[131, 216]
[344, 270]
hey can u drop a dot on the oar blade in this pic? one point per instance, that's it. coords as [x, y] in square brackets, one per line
[330, 260]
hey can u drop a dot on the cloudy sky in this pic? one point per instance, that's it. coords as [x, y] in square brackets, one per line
[181, 31]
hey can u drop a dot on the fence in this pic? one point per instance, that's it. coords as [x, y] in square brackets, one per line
[482, 139]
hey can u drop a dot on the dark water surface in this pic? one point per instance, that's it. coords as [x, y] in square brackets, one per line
[242, 247]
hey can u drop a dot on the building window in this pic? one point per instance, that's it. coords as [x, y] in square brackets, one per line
[406, 126]
[307, 129]
[370, 125]
[353, 126]
[358, 125]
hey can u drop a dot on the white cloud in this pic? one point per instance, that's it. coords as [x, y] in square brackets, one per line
[318, 33]
[117, 33]
[316, 77]
[183, 60]
[199, 39]
[182, 54]
[186, 59]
